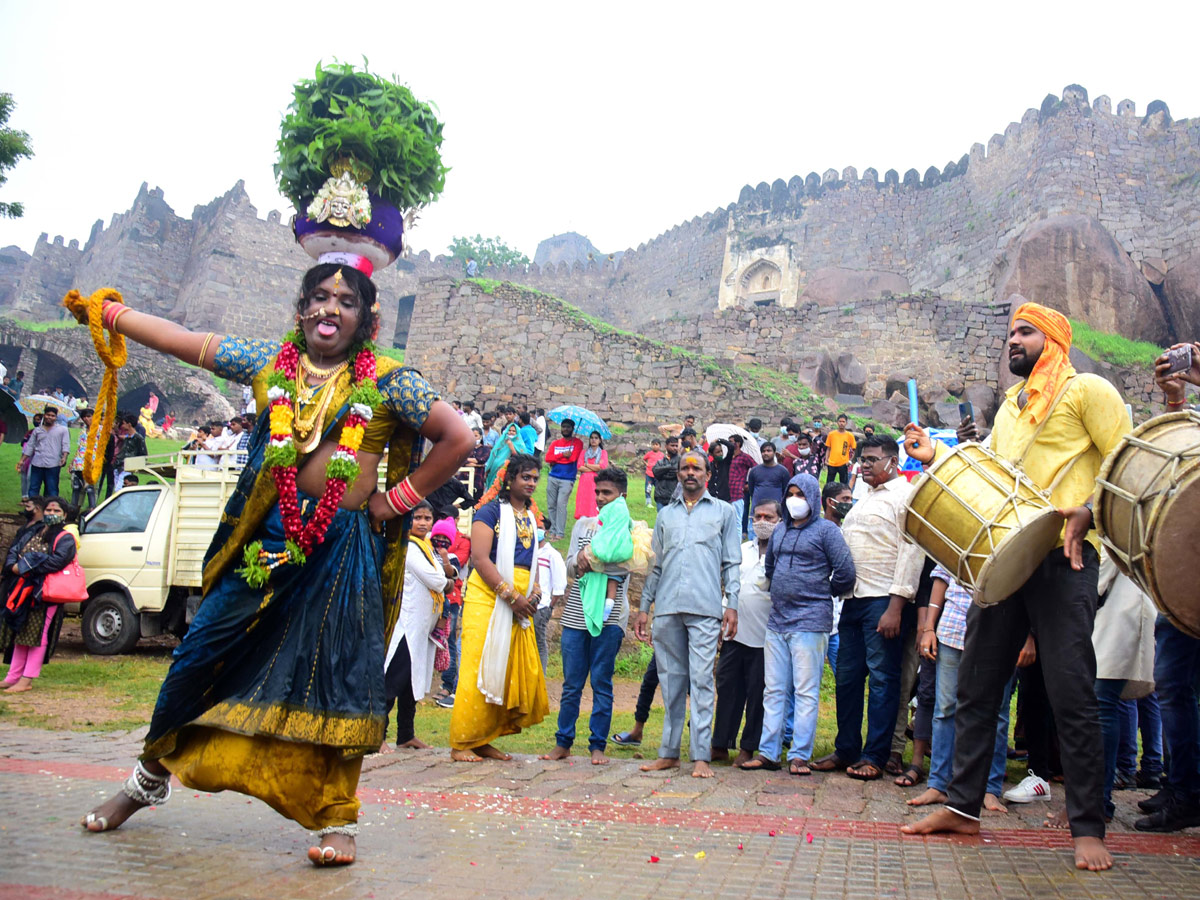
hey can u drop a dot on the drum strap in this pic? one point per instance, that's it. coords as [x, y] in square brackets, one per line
[1062, 473]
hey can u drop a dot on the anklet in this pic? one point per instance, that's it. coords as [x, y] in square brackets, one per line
[147, 789]
[350, 830]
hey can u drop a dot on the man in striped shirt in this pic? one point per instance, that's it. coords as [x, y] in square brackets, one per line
[585, 656]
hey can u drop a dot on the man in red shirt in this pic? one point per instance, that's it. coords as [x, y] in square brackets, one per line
[651, 457]
[563, 458]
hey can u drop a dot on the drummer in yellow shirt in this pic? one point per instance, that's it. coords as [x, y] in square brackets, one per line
[1081, 419]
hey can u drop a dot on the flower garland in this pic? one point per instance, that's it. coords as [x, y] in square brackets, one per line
[280, 457]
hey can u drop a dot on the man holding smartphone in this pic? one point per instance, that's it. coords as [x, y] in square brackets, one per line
[697, 556]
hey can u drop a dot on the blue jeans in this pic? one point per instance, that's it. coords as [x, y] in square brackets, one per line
[584, 656]
[1108, 696]
[649, 488]
[1177, 680]
[46, 476]
[831, 652]
[863, 651]
[450, 676]
[941, 754]
[1142, 715]
[796, 659]
[558, 492]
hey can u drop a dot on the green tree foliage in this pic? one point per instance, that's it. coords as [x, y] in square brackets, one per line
[14, 145]
[486, 251]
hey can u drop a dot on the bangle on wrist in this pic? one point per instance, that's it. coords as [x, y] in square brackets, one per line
[403, 497]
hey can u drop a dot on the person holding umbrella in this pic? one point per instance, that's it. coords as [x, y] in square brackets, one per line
[47, 450]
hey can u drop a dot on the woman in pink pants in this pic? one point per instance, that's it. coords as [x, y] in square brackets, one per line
[27, 622]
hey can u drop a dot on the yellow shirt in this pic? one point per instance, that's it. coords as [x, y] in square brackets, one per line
[840, 443]
[1090, 419]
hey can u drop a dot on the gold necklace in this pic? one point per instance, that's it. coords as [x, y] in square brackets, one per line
[524, 528]
[307, 363]
[305, 391]
[690, 504]
[308, 429]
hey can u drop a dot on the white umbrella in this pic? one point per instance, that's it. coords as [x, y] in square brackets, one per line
[723, 430]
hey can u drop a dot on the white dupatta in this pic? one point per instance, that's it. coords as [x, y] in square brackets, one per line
[493, 665]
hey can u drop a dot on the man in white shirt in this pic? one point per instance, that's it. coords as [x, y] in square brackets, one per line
[471, 417]
[222, 439]
[539, 423]
[889, 570]
[552, 578]
[740, 665]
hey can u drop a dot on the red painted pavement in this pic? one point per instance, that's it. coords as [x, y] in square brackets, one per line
[592, 812]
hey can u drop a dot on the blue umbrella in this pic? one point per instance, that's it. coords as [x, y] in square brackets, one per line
[585, 420]
[36, 403]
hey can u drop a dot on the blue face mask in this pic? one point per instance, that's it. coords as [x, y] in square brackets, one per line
[541, 535]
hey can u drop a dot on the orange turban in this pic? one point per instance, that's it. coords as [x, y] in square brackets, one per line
[1053, 367]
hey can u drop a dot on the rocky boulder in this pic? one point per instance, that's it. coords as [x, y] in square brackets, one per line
[817, 369]
[834, 286]
[985, 402]
[1182, 289]
[1071, 263]
[885, 412]
[852, 375]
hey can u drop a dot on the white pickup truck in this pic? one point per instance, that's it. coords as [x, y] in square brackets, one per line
[143, 548]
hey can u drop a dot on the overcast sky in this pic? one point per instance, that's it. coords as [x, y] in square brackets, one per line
[615, 120]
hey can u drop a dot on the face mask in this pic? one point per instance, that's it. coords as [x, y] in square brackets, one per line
[841, 507]
[763, 530]
[541, 535]
[54, 518]
[28, 514]
[804, 451]
[797, 507]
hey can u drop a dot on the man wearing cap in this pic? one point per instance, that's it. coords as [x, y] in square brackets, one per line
[1062, 425]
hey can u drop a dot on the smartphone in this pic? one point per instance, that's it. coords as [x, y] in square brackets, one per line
[966, 410]
[1179, 359]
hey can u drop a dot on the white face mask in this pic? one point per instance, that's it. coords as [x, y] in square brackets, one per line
[763, 530]
[804, 451]
[797, 507]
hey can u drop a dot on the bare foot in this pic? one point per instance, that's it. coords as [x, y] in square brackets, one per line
[23, 684]
[720, 754]
[110, 814]
[385, 747]
[556, 753]
[1057, 821]
[334, 850]
[1091, 854]
[660, 765]
[465, 756]
[743, 757]
[414, 744]
[928, 797]
[702, 769]
[598, 758]
[942, 820]
[992, 803]
[487, 751]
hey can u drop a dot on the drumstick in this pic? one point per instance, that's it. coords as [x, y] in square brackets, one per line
[912, 401]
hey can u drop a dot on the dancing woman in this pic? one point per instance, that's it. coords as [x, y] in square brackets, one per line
[277, 691]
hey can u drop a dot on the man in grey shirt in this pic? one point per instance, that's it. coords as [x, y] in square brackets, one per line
[697, 560]
[47, 449]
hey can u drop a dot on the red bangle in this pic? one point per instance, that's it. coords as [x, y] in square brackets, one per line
[110, 310]
[403, 497]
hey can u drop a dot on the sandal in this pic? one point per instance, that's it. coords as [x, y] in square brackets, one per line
[624, 740]
[830, 763]
[764, 765]
[911, 777]
[864, 770]
[799, 767]
[894, 765]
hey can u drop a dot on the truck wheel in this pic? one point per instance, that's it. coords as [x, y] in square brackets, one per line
[110, 626]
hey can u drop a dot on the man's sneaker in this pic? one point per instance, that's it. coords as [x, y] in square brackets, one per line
[445, 702]
[1155, 802]
[1124, 781]
[1031, 788]
[1175, 816]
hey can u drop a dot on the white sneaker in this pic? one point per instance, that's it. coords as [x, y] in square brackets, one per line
[1031, 788]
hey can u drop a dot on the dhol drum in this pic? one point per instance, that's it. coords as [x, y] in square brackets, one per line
[984, 520]
[1147, 511]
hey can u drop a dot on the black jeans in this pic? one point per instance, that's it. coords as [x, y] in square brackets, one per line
[740, 686]
[1059, 605]
[645, 700]
[397, 682]
[839, 473]
[1037, 719]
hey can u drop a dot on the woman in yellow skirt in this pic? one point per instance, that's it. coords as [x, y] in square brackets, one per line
[501, 686]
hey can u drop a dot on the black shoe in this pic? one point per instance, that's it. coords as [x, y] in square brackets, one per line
[1124, 781]
[1174, 816]
[1155, 802]
[1149, 782]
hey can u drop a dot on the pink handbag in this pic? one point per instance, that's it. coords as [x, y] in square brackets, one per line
[68, 585]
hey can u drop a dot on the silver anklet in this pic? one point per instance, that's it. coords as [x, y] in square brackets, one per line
[350, 830]
[147, 789]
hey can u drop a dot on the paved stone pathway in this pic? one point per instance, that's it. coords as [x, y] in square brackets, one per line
[528, 828]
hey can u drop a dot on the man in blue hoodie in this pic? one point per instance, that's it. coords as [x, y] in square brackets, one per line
[808, 561]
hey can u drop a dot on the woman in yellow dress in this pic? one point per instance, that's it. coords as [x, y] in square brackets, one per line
[501, 687]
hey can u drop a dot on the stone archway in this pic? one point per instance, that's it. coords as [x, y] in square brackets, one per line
[760, 284]
[133, 400]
